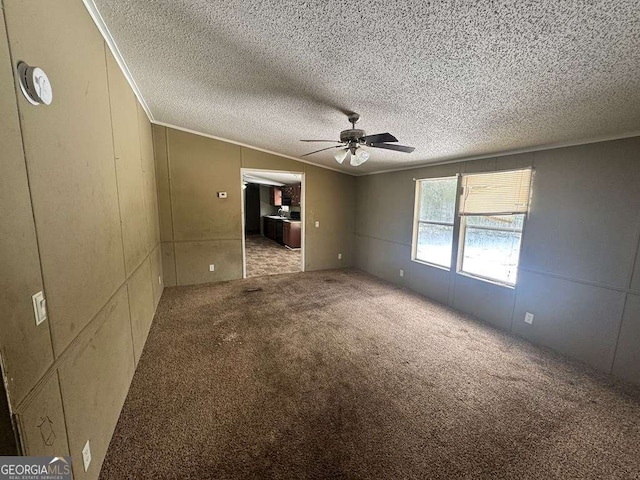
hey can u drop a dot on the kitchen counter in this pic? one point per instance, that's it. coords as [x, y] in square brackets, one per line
[283, 230]
[284, 219]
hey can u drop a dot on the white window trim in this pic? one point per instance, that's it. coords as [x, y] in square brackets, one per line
[417, 221]
[460, 255]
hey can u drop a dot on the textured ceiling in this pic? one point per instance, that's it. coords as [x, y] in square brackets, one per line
[452, 78]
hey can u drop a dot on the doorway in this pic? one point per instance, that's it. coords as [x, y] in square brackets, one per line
[272, 222]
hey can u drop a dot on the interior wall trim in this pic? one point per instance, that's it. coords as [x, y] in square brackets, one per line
[246, 145]
[517, 151]
[108, 38]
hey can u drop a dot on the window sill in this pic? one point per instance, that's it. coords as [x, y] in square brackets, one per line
[487, 280]
[423, 262]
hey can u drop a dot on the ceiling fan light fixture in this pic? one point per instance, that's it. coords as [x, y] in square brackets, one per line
[353, 140]
[359, 157]
[340, 155]
[362, 155]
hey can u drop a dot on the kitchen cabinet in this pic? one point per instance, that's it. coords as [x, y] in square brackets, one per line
[276, 196]
[292, 234]
[291, 195]
[285, 232]
[270, 228]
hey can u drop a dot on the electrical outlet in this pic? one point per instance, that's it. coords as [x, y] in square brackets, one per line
[86, 456]
[401, 272]
[339, 256]
[528, 318]
[212, 268]
[317, 224]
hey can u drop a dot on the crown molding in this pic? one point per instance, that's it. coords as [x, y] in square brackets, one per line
[108, 38]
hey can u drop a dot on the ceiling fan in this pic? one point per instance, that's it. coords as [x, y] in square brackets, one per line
[353, 140]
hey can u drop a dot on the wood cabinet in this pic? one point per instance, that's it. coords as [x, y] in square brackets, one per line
[292, 233]
[283, 231]
[291, 195]
[270, 228]
[276, 196]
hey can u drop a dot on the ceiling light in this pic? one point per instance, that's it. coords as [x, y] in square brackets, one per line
[359, 158]
[341, 155]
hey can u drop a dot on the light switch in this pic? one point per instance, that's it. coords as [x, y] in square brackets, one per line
[39, 307]
[212, 268]
[222, 194]
[317, 224]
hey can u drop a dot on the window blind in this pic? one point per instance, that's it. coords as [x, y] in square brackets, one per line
[495, 193]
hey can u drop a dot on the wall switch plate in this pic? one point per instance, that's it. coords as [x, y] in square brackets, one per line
[339, 256]
[212, 268]
[222, 194]
[401, 272]
[160, 279]
[86, 456]
[317, 224]
[528, 318]
[39, 307]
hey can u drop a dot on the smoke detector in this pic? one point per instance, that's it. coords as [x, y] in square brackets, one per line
[35, 84]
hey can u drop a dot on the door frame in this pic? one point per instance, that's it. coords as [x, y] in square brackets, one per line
[303, 204]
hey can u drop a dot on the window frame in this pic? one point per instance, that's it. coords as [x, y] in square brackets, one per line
[462, 237]
[460, 228]
[417, 222]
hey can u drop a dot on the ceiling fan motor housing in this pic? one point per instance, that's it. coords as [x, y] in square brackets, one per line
[351, 135]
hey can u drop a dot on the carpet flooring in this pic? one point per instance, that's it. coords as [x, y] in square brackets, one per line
[336, 374]
[266, 257]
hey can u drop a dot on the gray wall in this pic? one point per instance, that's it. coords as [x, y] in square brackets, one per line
[578, 270]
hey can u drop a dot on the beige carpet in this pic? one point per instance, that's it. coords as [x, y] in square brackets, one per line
[335, 374]
[266, 257]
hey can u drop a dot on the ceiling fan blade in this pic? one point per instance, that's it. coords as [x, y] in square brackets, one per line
[321, 150]
[397, 148]
[332, 141]
[379, 138]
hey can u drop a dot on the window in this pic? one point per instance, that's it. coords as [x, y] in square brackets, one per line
[493, 206]
[433, 229]
[492, 246]
[492, 209]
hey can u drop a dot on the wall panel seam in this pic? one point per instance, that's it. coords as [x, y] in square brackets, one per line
[29, 188]
[576, 280]
[64, 413]
[173, 232]
[62, 358]
[225, 239]
[115, 166]
[384, 240]
[634, 260]
[147, 208]
[615, 347]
